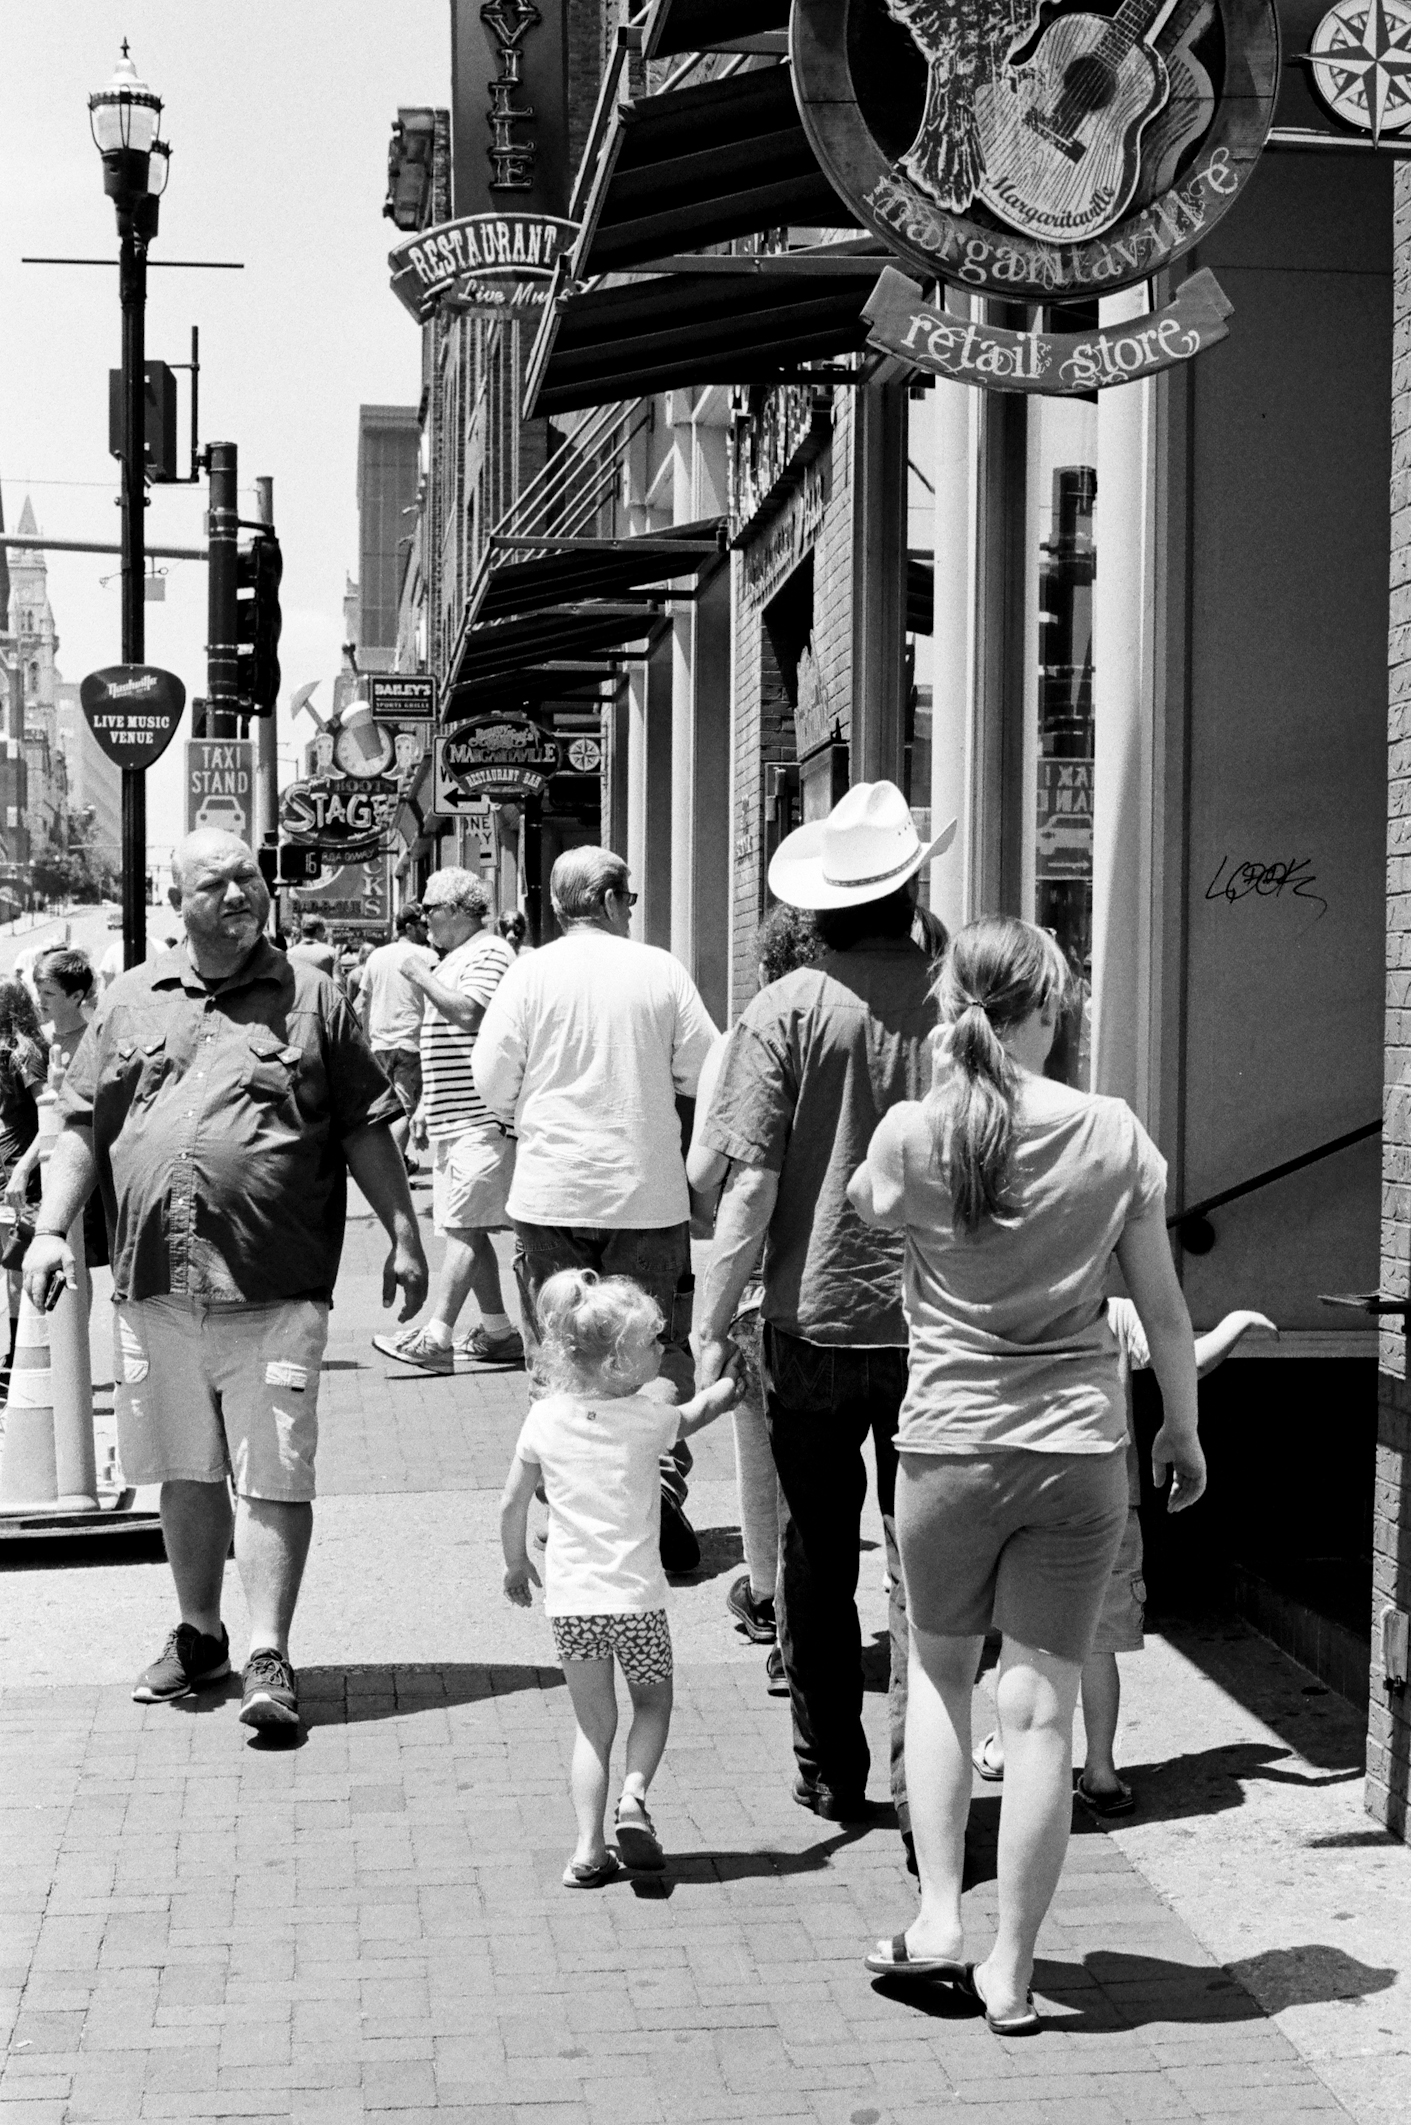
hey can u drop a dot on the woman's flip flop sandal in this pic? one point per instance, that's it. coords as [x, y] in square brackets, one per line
[991, 1774]
[578, 1876]
[1027, 2024]
[898, 1961]
[639, 1844]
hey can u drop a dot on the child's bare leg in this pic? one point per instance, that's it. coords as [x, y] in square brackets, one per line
[1102, 1702]
[590, 1685]
[646, 1740]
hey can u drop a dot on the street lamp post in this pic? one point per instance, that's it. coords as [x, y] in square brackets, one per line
[124, 118]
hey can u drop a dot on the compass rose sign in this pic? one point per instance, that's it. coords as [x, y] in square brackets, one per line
[1361, 64]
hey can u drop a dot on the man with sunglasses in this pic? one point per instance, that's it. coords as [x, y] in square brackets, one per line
[584, 1049]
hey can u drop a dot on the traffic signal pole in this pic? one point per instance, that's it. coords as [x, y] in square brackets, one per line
[222, 637]
[132, 294]
[266, 745]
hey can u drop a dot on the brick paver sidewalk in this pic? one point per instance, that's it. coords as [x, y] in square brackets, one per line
[197, 1926]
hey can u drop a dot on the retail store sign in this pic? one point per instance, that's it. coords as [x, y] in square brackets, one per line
[220, 780]
[504, 756]
[494, 264]
[357, 896]
[133, 711]
[1068, 160]
[346, 818]
[935, 339]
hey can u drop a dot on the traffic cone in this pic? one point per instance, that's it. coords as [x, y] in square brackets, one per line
[47, 1462]
[29, 1471]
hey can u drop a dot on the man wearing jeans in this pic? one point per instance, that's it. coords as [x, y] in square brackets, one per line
[814, 1064]
[585, 1047]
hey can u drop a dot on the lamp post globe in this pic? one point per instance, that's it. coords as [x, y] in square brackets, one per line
[124, 119]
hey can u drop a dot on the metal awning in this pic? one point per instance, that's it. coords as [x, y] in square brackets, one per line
[535, 574]
[694, 326]
[677, 26]
[697, 166]
[569, 632]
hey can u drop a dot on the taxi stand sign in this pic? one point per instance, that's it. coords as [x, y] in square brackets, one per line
[219, 786]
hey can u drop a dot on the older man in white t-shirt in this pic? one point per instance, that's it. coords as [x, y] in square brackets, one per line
[585, 1048]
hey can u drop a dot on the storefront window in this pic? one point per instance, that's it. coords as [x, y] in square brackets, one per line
[1059, 706]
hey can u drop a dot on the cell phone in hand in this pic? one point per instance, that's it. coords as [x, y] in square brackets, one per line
[58, 1285]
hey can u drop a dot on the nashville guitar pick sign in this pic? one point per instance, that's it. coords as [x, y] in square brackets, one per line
[1042, 158]
[133, 711]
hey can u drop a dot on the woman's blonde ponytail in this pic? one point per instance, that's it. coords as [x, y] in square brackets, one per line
[995, 974]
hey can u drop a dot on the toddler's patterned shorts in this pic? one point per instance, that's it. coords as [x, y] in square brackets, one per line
[640, 1642]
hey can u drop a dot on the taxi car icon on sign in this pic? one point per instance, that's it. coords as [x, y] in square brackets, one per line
[225, 813]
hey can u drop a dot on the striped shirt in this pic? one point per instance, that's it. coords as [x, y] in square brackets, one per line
[450, 1103]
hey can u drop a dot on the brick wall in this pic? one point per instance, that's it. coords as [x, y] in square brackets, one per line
[1389, 1719]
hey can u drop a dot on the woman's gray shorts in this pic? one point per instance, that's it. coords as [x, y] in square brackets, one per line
[1021, 1541]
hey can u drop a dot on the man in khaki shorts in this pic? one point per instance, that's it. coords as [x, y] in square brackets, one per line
[219, 1100]
[474, 1151]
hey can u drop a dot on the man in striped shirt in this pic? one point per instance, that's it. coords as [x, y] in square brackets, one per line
[474, 1153]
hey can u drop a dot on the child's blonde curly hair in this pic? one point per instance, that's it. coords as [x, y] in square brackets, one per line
[587, 1321]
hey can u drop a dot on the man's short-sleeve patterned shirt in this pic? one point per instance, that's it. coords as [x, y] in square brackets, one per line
[218, 1118]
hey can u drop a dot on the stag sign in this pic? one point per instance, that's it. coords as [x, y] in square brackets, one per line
[1037, 158]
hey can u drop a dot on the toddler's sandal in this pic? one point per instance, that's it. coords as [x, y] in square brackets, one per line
[578, 1875]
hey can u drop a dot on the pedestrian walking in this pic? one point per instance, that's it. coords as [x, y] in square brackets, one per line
[392, 1009]
[816, 1061]
[1013, 1192]
[219, 1100]
[586, 1047]
[313, 947]
[594, 1443]
[473, 1151]
[22, 1073]
[515, 931]
[1121, 1623]
[66, 987]
[787, 938]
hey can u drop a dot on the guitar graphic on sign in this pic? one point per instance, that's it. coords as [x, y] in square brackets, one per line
[1060, 135]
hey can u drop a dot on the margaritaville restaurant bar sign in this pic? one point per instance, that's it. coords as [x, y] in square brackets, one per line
[1039, 164]
[498, 263]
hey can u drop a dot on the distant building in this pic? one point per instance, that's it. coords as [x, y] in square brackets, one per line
[95, 783]
[389, 443]
[35, 644]
[14, 833]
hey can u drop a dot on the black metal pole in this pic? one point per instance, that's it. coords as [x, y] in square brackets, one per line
[222, 644]
[132, 288]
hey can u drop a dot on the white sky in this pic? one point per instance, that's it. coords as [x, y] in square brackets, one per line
[278, 113]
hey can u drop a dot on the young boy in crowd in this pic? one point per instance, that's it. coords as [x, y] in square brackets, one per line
[1120, 1627]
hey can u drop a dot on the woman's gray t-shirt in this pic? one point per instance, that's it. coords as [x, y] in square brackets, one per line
[1010, 1342]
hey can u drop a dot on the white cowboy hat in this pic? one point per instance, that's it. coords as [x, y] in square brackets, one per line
[866, 847]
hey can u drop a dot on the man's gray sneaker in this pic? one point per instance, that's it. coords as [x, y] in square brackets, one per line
[188, 1661]
[271, 1691]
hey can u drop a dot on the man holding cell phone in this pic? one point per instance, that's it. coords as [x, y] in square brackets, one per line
[218, 1101]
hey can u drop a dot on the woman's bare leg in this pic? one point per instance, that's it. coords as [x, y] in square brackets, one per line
[940, 1686]
[1037, 1695]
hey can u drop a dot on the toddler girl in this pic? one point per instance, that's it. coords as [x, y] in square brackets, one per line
[595, 1442]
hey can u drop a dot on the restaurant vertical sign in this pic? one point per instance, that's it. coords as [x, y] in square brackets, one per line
[511, 172]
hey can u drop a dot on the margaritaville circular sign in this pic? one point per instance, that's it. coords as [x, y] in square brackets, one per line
[1038, 157]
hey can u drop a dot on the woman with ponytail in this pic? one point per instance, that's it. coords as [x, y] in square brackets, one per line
[1014, 1194]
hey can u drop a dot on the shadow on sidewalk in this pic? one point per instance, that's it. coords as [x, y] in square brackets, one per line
[332, 1697]
[1110, 1991]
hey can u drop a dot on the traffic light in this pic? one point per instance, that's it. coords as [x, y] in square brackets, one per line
[298, 866]
[259, 568]
[268, 857]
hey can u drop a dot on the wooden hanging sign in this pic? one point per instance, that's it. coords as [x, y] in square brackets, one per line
[1057, 363]
[1034, 151]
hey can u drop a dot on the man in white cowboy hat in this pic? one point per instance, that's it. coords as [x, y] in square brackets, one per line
[816, 1061]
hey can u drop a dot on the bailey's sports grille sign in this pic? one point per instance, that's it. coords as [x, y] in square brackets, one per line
[1032, 156]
